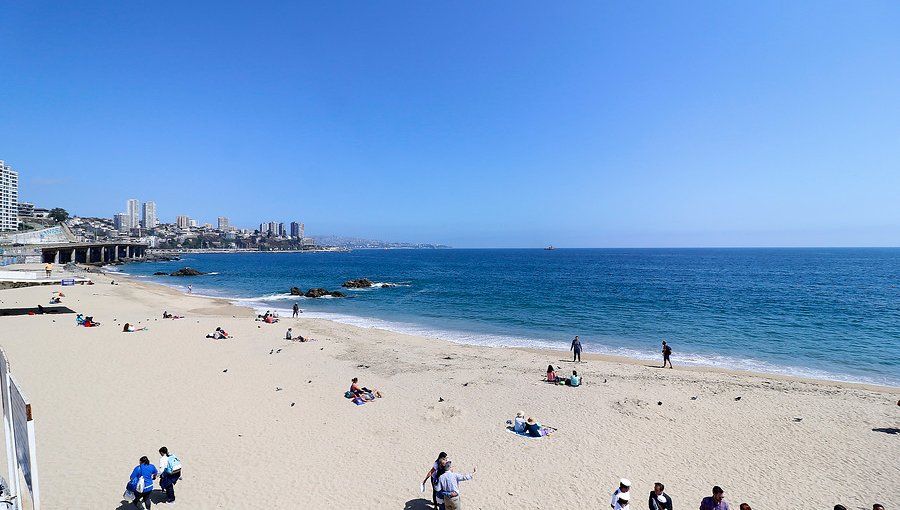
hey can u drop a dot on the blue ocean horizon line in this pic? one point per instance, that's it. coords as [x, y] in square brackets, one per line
[824, 313]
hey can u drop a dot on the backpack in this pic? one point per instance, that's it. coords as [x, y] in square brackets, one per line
[668, 350]
[173, 464]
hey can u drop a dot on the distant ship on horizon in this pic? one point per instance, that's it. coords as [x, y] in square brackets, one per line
[550, 247]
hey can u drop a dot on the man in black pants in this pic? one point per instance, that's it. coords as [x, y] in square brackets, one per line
[296, 309]
[170, 472]
[666, 352]
[576, 346]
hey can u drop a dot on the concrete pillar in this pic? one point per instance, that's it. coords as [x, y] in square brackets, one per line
[103, 254]
[87, 256]
[56, 257]
[74, 250]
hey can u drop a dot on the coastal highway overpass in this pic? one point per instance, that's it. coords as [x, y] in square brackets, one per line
[91, 253]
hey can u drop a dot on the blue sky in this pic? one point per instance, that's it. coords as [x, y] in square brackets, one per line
[501, 124]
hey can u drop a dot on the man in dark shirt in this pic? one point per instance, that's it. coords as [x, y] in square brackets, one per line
[716, 501]
[659, 500]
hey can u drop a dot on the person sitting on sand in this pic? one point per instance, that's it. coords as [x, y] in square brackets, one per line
[519, 423]
[130, 329]
[89, 323]
[551, 374]
[289, 335]
[534, 428]
[54, 300]
[219, 334]
[79, 319]
[574, 381]
[363, 392]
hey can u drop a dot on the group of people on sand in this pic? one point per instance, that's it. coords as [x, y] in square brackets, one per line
[660, 500]
[140, 483]
[167, 315]
[88, 322]
[576, 349]
[445, 483]
[219, 334]
[289, 335]
[528, 426]
[361, 394]
[574, 380]
[269, 317]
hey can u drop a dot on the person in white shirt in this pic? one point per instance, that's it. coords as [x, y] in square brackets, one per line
[449, 486]
[624, 487]
[170, 472]
[622, 501]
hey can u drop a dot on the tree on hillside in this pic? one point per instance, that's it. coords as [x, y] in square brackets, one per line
[59, 214]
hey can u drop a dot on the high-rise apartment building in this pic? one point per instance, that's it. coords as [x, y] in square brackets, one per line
[223, 223]
[295, 229]
[133, 210]
[149, 219]
[9, 198]
[281, 230]
[121, 222]
[182, 222]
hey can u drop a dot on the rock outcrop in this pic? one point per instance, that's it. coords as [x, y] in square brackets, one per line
[160, 273]
[295, 291]
[187, 271]
[318, 292]
[359, 283]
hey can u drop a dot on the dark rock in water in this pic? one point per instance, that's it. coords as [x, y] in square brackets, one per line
[187, 271]
[160, 273]
[387, 285]
[316, 292]
[337, 293]
[295, 291]
[360, 283]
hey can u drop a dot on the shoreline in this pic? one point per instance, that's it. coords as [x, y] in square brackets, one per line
[553, 353]
[549, 351]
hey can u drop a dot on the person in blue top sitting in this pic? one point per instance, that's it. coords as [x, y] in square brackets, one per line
[574, 380]
[142, 478]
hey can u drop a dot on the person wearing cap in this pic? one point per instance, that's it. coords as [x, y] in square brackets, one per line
[622, 501]
[624, 487]
[716, 501]
[519, 423]
[449, 486]
[659, 500]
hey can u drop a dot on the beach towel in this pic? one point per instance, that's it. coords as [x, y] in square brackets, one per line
[546, 430]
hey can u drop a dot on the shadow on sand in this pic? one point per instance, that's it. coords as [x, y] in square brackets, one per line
[156, 497]
[418, 504]
[891, 430]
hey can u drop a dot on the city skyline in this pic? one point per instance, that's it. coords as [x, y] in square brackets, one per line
[584, 124]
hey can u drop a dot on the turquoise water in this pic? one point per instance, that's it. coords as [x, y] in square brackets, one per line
[823, 313]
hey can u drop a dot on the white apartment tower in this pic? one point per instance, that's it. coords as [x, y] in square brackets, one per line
[223, 223]
[182, 221]
[9, 198]
[148, 215]
[133, 210]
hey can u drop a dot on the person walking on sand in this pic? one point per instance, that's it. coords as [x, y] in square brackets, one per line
[624, 487]
[659, 500]
[141, 482]
[433, 478]
[449, 485]
[190, 289]
[716, 501]
[296, 310]
[576, 346]
[170, 472]
[666, 352]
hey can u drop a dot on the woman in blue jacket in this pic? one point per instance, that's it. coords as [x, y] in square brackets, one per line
[145, 472]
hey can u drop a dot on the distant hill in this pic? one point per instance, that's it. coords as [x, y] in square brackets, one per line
[357, 243]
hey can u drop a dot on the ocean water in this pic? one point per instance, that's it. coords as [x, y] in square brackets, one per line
[821, 313]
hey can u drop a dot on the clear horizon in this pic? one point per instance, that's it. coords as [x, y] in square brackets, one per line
[467, 124]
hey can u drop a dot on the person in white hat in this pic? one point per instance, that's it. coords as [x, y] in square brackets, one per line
[624, 487]
[622, 501]
[659, 500]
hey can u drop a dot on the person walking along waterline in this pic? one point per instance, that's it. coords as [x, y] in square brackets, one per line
[170, 472]
[449, 485]
[666, 352]
[576, 346]
[296, 309]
